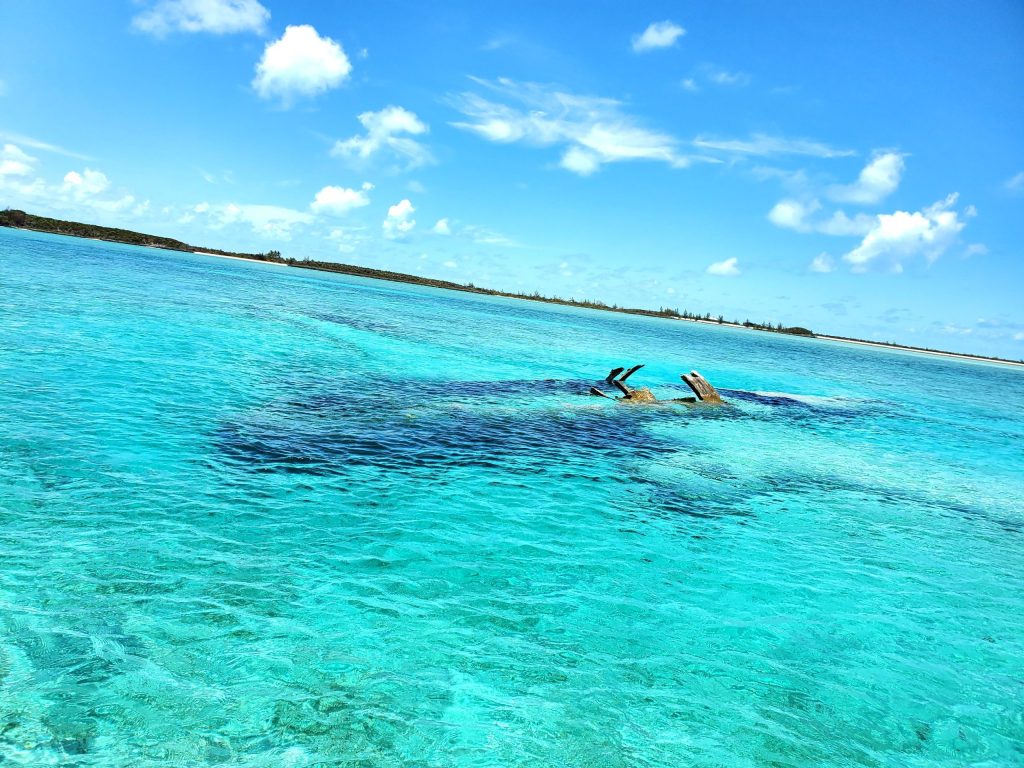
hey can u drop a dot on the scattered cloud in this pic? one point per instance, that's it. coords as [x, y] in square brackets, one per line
[28, 141]
[15, 162]
[727, 268]
[271, 221]
[1015, 183]
[85, 193]
[976, 249]
[338, 201]
[485, 236]
[442, 227]
[690, 84]
[896, 237]
[399, 221]
[384, 131]
[88, 183]
[593, 131]
[724, 77]
[660, 34]
[300, 63]
[348, 239]
[218, 17]
[793, 214]
[762, 145]
[879, 178]
[822, 263]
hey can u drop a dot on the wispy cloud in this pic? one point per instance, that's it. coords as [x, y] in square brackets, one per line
[593, 131]
[762, 145]
[660, 34]
[28, 141]
[218, 17]
[1015, 183]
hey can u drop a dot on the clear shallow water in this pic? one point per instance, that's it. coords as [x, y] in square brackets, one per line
[265, 517]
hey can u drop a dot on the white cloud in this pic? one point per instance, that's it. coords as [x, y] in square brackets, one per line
[14, 162]
[28, 141]
[690, 85]
[976, 249]
[348, 239]
[399, 222]
[384, 131]
[762, 145]
[1015, 183]
[799, 216]
[1018, 336]
[270, 221]
[660, 34]
[85, 193]
[219, 17]
[86, 184]
[822, 263]
[896, 237]
[877, 180]
[793, 214]
[724, 77]
[594, 131]
[727, 268]
[340, 200]
[442, 227]
[300, 63]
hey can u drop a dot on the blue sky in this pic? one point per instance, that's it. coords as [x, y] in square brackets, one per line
[857, 168]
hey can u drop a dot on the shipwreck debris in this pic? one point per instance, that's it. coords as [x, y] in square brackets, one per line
[702, 389]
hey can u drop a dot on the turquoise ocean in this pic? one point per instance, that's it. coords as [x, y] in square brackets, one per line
[260, 516]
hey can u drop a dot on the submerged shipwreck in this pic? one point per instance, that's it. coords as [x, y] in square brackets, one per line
[703, 392]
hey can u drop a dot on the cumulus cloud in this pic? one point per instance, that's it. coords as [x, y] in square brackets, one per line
[660, 34]
[399, 221]
[384, 131]
[340, 200]
[897, 237]
[300, 63]
[85, 184]
[727, 268]
[593, 131]
[822, 263]
[15, 162]
[442, 227]
[219, 17]
[879, 178]
[762, 145]
[793, 214]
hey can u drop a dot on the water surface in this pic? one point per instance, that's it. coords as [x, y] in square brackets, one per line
[258, 516]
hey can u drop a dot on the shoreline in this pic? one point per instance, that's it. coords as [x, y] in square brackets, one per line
[127, 237]
[725, 323]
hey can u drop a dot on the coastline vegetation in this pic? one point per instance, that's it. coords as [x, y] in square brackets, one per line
[21, 220]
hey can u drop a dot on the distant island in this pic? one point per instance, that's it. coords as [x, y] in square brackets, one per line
[21, 220]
